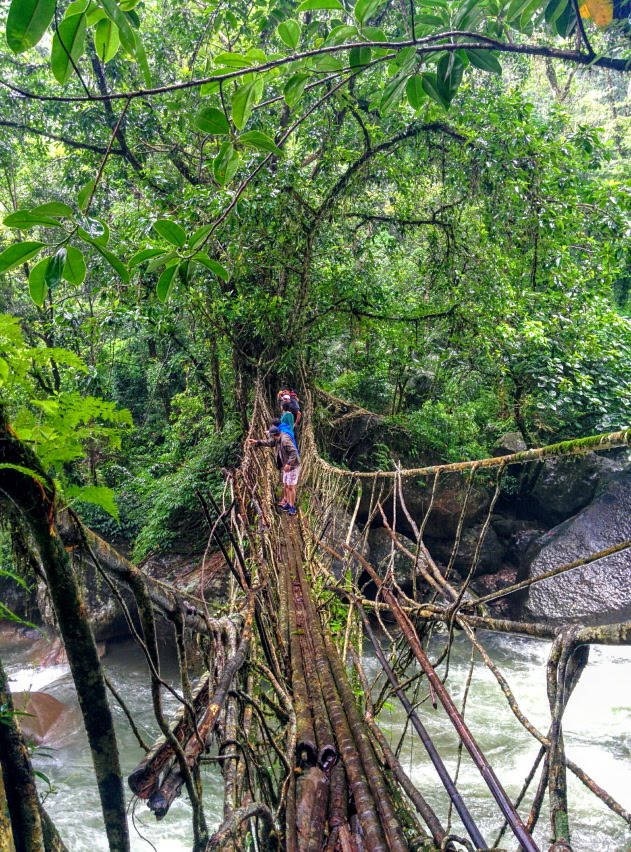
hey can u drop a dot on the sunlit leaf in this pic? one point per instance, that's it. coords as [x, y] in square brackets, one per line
[37, 282]
[24, 220]
[97, 495]
[54, 269]
[68, 47]
[145, 254]
[74, 270]
[414, 91]
[289, 32]
[27, 22]
[53, 208]
[256, 139]
[244, 100]
[17, 254]
[225, 164]
[170, 231]
[106, 40]
[294, 88]
[314, 5]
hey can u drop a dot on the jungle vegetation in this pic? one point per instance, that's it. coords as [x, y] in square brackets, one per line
[424, 206]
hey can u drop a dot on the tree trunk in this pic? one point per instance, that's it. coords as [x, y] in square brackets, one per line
[17, 771]
[34, 497]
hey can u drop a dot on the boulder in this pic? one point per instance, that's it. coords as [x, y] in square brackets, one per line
[42, 717]
[565, 485]
[511, 442]
[596, 593]
[491, 556]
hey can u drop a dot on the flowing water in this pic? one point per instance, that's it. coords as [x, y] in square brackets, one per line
[597, 729]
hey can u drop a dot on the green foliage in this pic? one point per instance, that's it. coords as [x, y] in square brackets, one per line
[60, 427]
[449, 433]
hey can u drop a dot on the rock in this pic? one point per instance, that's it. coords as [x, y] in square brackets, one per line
[335, 533]
[492, 552]
[511, 442]
[488, 583]
[567, 484]
[44, 716]
[381, 551]
[599, 592]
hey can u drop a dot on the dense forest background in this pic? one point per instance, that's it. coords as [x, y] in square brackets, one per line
[440, 236]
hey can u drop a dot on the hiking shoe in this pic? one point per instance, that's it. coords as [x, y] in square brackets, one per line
[291, 510]
[283, 504]
[283, 507]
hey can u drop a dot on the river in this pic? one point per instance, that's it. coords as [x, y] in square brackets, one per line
[597, 729]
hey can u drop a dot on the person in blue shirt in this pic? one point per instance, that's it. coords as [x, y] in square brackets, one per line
[286, 423]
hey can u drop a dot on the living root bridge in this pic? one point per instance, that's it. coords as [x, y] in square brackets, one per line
[158, 778]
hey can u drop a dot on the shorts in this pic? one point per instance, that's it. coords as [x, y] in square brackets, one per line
[291, 477]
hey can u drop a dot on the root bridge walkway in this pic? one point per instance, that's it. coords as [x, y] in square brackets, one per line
[286, 697]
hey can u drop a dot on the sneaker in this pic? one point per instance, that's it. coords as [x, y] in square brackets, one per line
[283, 507]
[291, 510]
[283, 504]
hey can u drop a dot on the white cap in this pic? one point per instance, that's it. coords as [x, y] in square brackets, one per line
[286, 396]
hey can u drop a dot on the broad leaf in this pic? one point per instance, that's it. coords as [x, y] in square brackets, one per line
[393, 92]
[53, 208]
[68, 47]
[289, 32]
[199, 236]
[115, 262]
[85, 193]
[244, 100]
[170, 231]
[294, 89]
[256, 139]
[74, 271]
[366, 9]
[17, 254]
[225, 164]
[97, 495]
[234, 60]
[54, 270]
[449, 75]
[313, 5]
[24, 220]
[160, 261]
[414, 91]
[213, 265]
[484, 60]
[165, 283]
[554, 10]
[106, 39]
[145, 254]
[37, 282]
[212, 120]
[27, 22]
[359, 56]
[430, 87]
[130, 40]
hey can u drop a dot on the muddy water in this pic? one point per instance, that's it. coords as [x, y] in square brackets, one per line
[597, 735]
